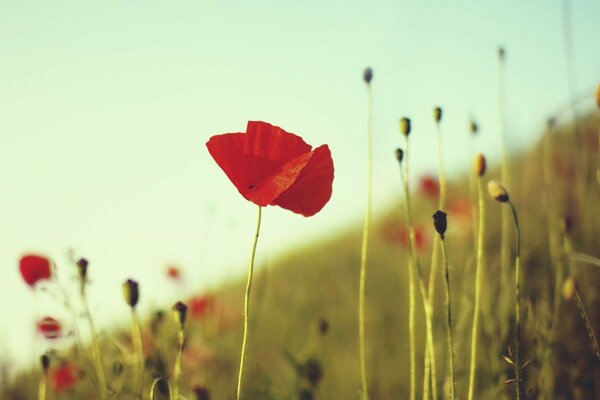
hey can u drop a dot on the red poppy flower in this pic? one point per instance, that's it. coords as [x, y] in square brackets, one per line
[429, 186]
[34, 268]
[49, 327]
[199, 306]
[419, 237]
[64, 377]
[173, 272]
[270, 166]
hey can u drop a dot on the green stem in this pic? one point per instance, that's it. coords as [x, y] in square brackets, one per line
[177, 366]
[517, 300]
[478, 274]
[363, 257]
[96, 355]
[42, 387]
[136, 335]
[246, 306]
[449, 325]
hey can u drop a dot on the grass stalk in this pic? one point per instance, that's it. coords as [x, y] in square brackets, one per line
[478, 275]
[363, 255]
[247, 306]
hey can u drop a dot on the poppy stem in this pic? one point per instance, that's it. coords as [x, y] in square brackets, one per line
[478, 275]
[136, 335]
[246, 305]
[177, 367]
[42, 387]
[96, 355]
[517, 300]
[449, 325]
[363, 255]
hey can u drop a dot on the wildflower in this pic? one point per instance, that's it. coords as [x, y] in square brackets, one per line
[64, 377]
[270, 166]
[429, 186]
[34, 268]
[49, 327]
[419, 238]
[199, 306]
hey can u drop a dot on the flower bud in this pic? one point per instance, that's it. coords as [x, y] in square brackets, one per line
[474, 127]
[180, 312]
[598, 95]
[368, 75]
[82, 265]
[131, 292]
[399, 154]
[479, 165]
[45, 361]
[437, 114]
[201, 393]
[322, 326]
[440, 222]
[568, 289]
[405, 126]
[312, 371]
[498, 192]
[501, 53]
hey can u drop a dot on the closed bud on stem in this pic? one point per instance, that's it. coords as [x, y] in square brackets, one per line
[180, 313]
[131, 292]
[45, 361]
[399, 154]
[598, 95]
[474, 127]
[501, 53]
[437, 114]
[568, 289]
[368, 75]
[405, 126]
[440, 223]
[498, 192]
[201, 393]
[479, 165]
[82, 265]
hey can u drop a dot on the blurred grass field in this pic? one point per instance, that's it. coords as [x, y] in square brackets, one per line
[303, 340]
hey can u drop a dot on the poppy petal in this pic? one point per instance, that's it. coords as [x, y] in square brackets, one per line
[34, 268]
[312, 189]
[227, 151]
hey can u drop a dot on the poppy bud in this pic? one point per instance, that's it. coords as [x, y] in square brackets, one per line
[598, 95]
[439, 222]
[368, 75]
[45, 361]
[437, 114]
[131, 292]
[322, 326]
[405, 126]
[568, 289]
[312, 371]
[501, 53]
[201, 393]
[82, 265]
[474, 127]
[498, 192]
[180, 311]
[399, 154]
[479, 165]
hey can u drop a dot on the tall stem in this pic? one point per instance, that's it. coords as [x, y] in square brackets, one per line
[177, 366]
[136, 335]
[96, 355]
[247, 304]
[42, 387]
[449, 322]
[478, 274]
[363, 256]
[517, 301]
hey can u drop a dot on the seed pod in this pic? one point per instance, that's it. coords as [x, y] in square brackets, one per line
[405, 126]
[180, 312]
[399, 154]
[440, 222]
[479, 165]
[131, 292]
[82, 265]
[437, 114]
[368, 75]
[45, 361]
[598, 95]
[498, 192]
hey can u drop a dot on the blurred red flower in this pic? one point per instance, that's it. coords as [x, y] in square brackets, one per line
[270, 166]
[419, 238]
[49, 327]
[200, 306]
[64, 377]
[429, 186]
[173, 272]
[34, 268]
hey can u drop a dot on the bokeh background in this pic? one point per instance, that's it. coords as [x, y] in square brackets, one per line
[105, 109]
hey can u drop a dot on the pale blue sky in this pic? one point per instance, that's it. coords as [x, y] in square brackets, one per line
[105, 109]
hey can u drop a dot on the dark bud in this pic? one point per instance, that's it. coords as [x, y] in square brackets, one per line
[312, 371]
[322, 326]
[498, 192]
[82, 265]
[501, 53]
[131, 292]
[437, 114]
[399, 154]
[201, 393]
[405, 126]
[45, 361]
[368, 75]
[474, 127]
[180, 310]
[566, 225]
[440, 223]
[305, 394]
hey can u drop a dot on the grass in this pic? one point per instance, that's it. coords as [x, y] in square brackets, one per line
[290, 355]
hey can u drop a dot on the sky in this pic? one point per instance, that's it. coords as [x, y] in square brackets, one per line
[105, 109]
